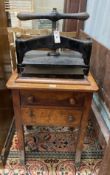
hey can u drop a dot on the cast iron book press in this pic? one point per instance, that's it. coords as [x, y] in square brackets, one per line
[66, 57]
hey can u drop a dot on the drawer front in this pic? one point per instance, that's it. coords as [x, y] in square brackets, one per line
[50, 117]
[56, 98]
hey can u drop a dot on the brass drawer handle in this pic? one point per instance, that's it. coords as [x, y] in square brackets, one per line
[31, 99]
[70, 118]
[31, 113]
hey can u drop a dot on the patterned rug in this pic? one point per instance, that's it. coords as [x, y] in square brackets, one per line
[51, 150]
[51, 167]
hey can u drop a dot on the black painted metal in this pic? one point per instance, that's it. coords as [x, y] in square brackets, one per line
[53, 16]
[47, 42]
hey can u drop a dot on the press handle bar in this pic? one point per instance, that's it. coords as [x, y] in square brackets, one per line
[53, 16]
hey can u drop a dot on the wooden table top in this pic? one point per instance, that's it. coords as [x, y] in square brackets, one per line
[88, 84]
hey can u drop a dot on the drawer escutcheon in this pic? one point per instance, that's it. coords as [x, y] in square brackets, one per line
[31, 99]
[31, 113]
[71, 118]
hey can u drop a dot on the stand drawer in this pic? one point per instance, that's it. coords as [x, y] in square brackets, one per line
[51, 98]
[50, 117]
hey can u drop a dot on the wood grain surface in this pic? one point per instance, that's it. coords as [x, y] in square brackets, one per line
[75, 86]
[51, 117]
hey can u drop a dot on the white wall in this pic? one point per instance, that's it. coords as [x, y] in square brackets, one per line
[46, 6]
[98, 26]
[20, 6]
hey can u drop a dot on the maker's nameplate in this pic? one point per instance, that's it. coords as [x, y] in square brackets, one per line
[52, 85]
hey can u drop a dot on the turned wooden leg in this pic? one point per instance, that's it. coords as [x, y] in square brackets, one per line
[19, 125]
[83, 128]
